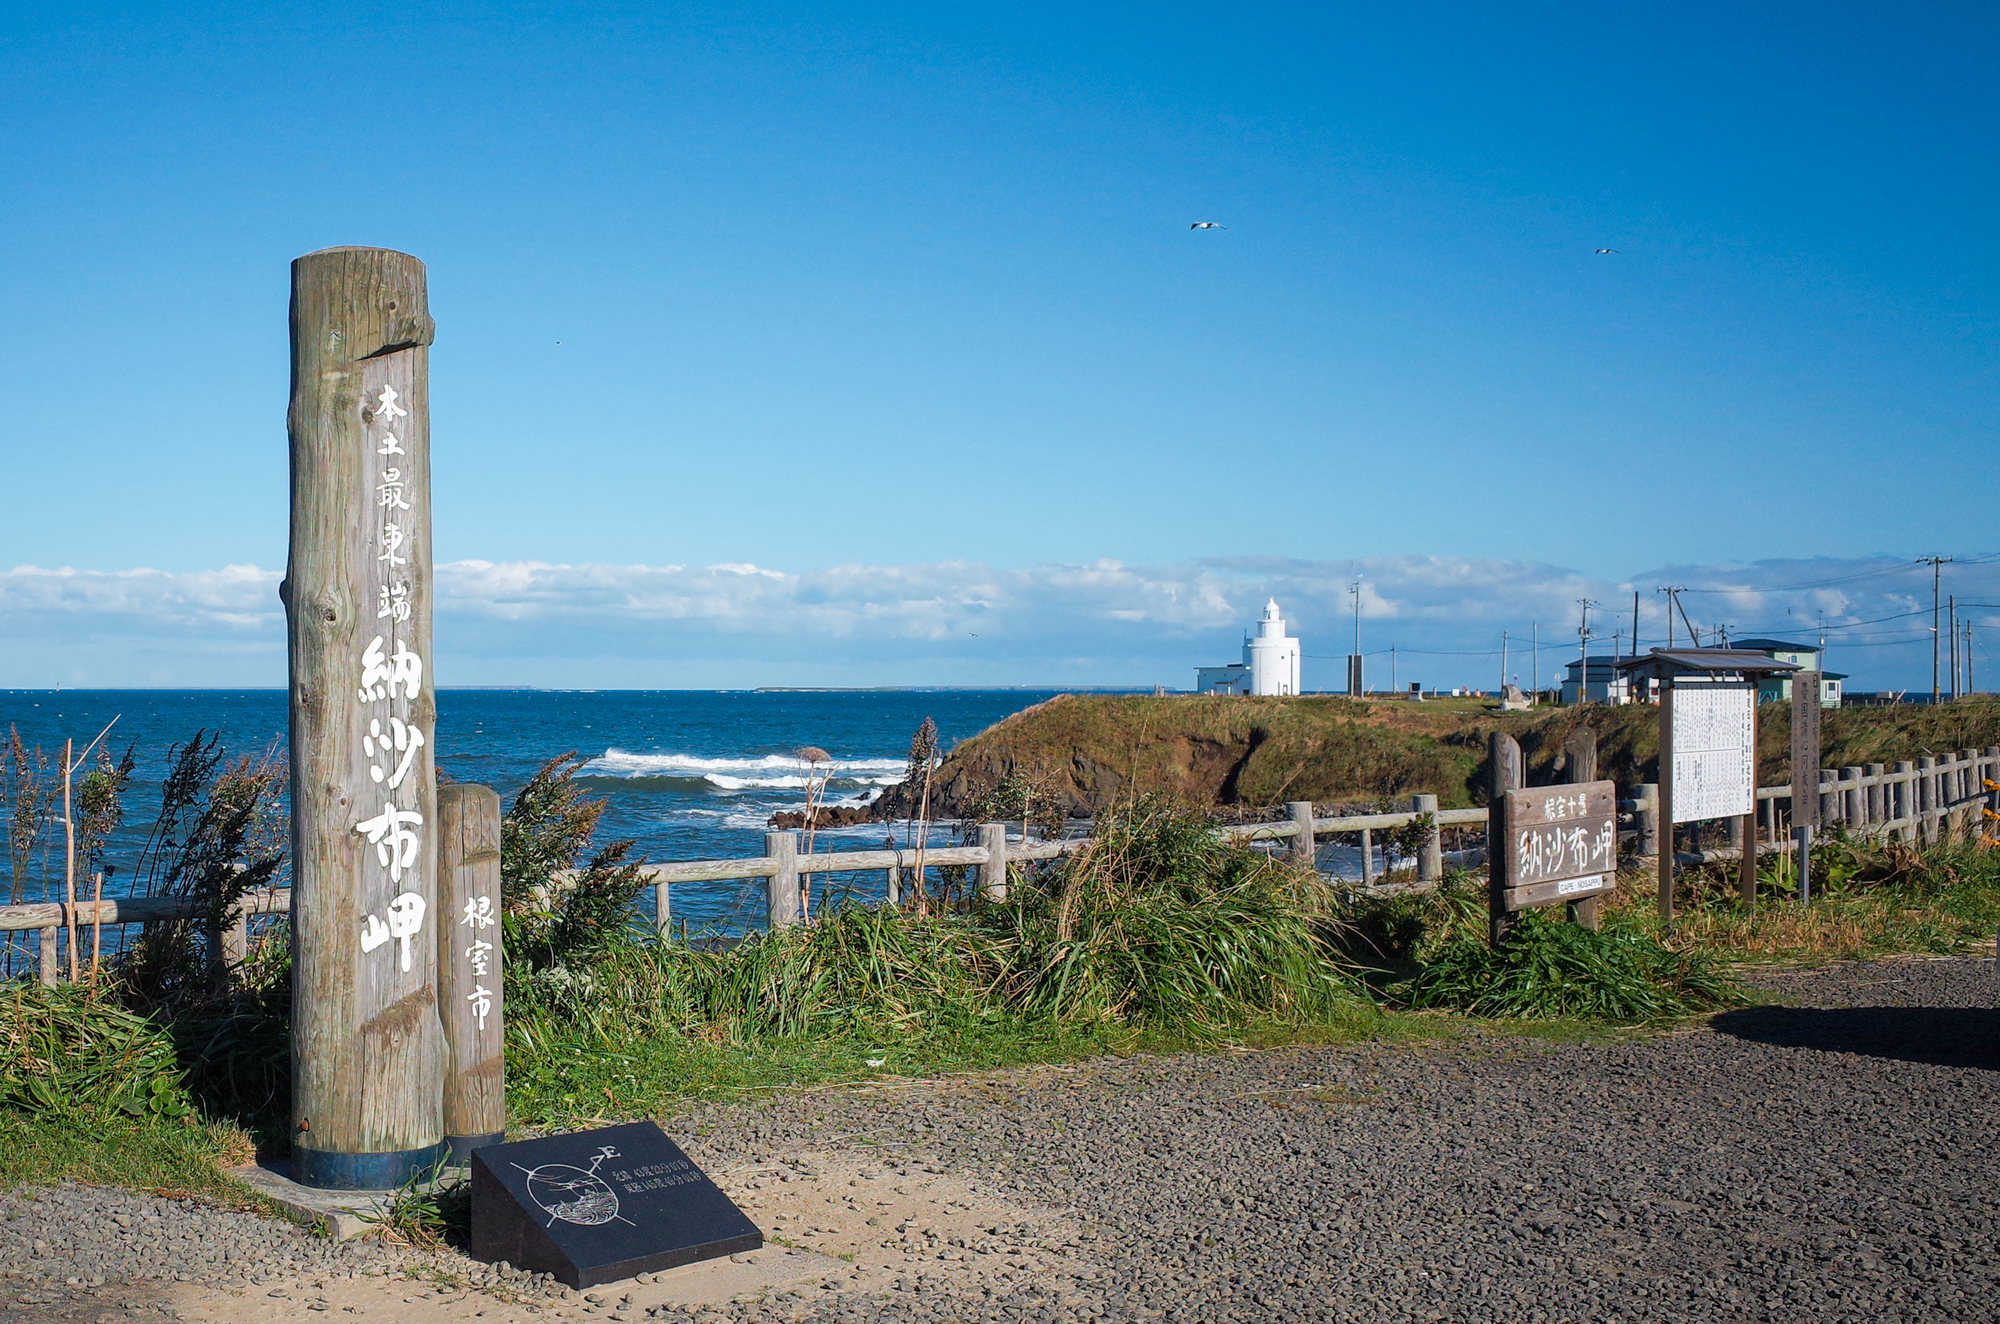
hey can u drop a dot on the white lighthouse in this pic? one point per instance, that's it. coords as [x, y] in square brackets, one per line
[1270, 662]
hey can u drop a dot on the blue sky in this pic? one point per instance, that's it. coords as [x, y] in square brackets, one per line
[909, 287]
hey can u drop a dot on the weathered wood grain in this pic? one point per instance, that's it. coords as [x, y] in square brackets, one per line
[469, 968]
[367, 1046]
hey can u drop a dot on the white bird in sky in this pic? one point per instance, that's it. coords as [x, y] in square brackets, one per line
[1208, 225]
[1607, 250]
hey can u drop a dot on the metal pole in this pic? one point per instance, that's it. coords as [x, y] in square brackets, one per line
[1804, 836]
[1666, 810]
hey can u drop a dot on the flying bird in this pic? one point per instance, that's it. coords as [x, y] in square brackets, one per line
[1208, 225]
[1607, 250]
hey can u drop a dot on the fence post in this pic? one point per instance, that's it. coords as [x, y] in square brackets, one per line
[1368, 857]
[1430, 854]
[993, 873]
[367, 1099]
[1903, 808]
[1647, 820]
[469, 975]
[235, 942]
[663, 910]
[1830, 807]
[48, 962]
[1305, 850]
[783, 847]
[1878, 802]
[1853, 805]
[1992, 774]
[1927, 800]
[1504, 759]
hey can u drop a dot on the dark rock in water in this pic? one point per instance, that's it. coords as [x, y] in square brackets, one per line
[826, 816]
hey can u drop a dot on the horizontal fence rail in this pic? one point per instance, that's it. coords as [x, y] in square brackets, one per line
[1922, 800]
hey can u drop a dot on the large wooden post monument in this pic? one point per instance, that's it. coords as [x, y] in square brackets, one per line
[367, 1045]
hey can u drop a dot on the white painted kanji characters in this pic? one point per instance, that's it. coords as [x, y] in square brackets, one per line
[386, 409]
[481, 999]
[393, 601]
[406, 921]
[390, 446]
[479, 913]
[401, 738]
[393, 539]
[382, 675]
[389, 492]
[479, 957]
[396, 846]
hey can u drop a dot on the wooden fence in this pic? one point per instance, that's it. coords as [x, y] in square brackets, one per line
[1927, 800]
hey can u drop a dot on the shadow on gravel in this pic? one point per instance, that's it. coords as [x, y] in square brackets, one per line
[1941, 1036]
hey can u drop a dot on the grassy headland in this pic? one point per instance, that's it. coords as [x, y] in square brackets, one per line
[1091, 751]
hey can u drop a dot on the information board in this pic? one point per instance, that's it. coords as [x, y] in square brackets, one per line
[1714, 762]
[1561, 843]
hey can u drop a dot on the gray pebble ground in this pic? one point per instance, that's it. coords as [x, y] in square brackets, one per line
[1829, 1160]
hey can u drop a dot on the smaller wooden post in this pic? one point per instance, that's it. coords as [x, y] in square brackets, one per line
[1877, 799]
[783, 847]
[1853, 806]
[1367, 858]
[663, 910]
[48, 965]
[993, 873]
[1902, 803]
[1305, 850]
[1805, 748]
[1430, 854]
[1666, 801]
[893, 886]
[1504, 757]
[469, 974]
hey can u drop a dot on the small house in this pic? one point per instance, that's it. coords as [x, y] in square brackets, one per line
[1777, 688]
[1600, 681]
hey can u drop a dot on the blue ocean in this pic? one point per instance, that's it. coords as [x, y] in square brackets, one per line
[689, 774]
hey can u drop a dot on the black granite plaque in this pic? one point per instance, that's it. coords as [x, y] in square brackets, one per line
[598, 1206]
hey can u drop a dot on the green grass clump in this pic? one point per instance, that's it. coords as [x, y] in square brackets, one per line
[1549, 968]
[1156, 935]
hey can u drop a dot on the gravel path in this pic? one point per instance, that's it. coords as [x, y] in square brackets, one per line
[1828, 1160]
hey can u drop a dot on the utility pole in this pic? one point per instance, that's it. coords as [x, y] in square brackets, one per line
[1937, 564]
[1635, 622]
[1951, 615]
[1583, 650]
[1673, 604]
[1355, 684]
[1535, 673]
[1503, 664]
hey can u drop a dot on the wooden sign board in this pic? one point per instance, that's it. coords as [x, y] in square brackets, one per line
[1714, 756]
[1562, 844]
[600, 1206]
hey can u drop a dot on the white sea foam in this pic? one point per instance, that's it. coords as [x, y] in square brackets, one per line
[762, 772]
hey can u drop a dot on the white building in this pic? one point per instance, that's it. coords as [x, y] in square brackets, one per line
[1270, 662]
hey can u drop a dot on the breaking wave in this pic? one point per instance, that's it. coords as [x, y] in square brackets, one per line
[777, 772]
